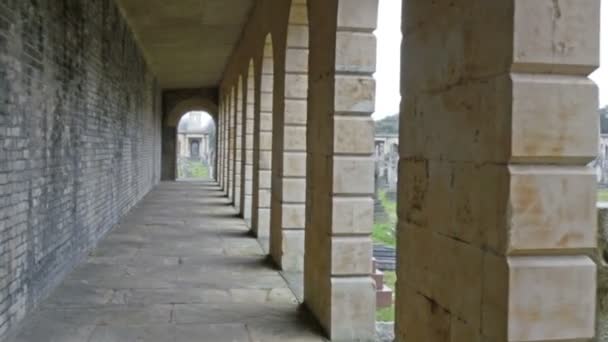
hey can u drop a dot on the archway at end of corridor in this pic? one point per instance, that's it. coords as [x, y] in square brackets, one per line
[196, 146]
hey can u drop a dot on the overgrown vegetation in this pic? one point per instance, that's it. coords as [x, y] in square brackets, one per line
[384, 232]
[602, 195]
[388, 125]
[192, 169]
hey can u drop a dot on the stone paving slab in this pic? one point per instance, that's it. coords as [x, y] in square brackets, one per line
[181, 267]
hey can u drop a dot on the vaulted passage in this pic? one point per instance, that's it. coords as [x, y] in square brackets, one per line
[496, 201]
[211, 283]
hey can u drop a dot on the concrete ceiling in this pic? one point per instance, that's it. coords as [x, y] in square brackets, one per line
[187, 42]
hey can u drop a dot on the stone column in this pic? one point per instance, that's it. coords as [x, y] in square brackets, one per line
[224, 144]
[220, 144]
[230, 146]
[496, 203]
[338, 287]
[248, 141]
[289, 150]
[262, 205]
[238, 145]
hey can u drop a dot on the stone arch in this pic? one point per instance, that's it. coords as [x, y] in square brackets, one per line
[248, 127]
[263, 148]
[171, 120]
[289, 187]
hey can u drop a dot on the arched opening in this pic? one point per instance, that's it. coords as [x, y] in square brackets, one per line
[386, 160]
[173, 114]
[195, 146]
[263, 149]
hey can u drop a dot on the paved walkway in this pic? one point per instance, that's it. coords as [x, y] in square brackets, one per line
[179, 268]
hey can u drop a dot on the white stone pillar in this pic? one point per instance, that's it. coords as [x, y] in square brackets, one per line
[230, 145]
[289, 151]
[338, 287]
[238, 144]
[249, 128]
[261, 208]
[220, 144]
[496, 203]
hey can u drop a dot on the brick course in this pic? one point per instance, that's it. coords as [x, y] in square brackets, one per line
[79, 139]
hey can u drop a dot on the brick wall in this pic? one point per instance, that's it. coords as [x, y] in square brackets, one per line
[79, 139]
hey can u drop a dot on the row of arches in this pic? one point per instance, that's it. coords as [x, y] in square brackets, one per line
[300, 118]
[474, 262]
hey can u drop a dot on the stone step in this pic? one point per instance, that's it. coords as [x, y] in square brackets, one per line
[384, 297]
[378, 278]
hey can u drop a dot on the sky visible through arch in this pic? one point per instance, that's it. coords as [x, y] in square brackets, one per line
[600, 76]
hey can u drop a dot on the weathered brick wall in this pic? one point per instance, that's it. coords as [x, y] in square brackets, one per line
[79, 139]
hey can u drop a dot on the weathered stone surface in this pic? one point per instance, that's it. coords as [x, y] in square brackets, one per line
[80, 134]
[193, 294]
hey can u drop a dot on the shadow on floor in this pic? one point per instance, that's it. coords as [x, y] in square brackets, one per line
[174, 270]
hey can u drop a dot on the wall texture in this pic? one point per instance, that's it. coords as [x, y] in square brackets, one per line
[79, 139]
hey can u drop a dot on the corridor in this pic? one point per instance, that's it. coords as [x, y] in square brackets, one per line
[179, 267]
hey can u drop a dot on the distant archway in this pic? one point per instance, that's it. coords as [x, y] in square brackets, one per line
[195, 146]
[171, 120]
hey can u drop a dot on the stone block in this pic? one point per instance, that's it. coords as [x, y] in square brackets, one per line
[557, 36]
[296, 86]
[264, 181]
[351, 255]
[354, 135]
[354, 94]
[296, 59]
[558, 128]
[293, 242]
[351, 317]
[264, 198]
[352, 215]
[356, 52]
[294, 164]
[266, 121]
[295, 111]
[294, 216]
[298, 14]
[265, 162]
[353, 175]
[551, 298]
[294, 190]
[295, 138]
[265, 141]
[359, 15]
[543, 217]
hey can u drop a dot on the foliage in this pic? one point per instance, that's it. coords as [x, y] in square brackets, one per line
[192, 169]
[384, 232]
[388, 125]
[602, 195]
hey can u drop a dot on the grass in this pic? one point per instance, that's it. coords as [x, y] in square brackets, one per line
[602, 195]
[384, 232]
[388, 314]
[193, 169]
